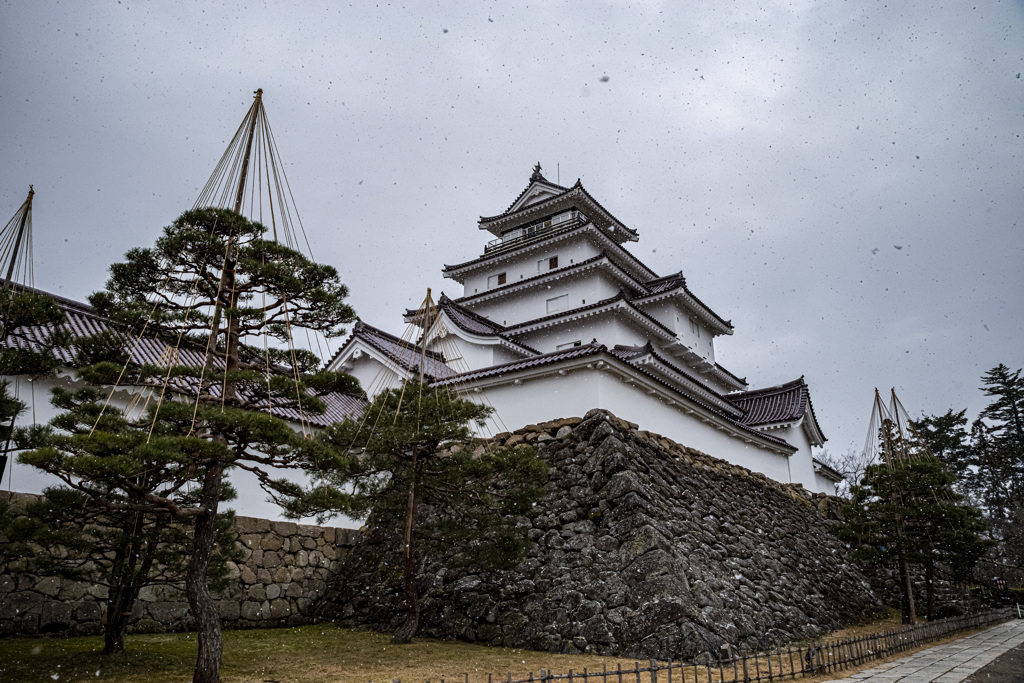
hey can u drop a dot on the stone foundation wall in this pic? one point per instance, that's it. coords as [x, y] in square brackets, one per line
[286, 567]
[641, 548]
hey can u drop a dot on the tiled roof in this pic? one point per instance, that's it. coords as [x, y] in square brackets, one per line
[666, 283]
[541, 239]
[581, 351]
[477, 324]
[564, 270]
[622, 355]
[828, 472]
[579, 190]
[784, 403]
[631, 354]
[535, 178]
[740, 380]
[509, 211]
[675, 282]
[83, 321]
[466, 319]
[403, 353]
[621, 296]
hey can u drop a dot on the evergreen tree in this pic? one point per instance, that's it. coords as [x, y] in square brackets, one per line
[412, 462]
[226, 302]
[905, 512]
[92, 530]
[997, 445]
[947, 438]
[31, 330]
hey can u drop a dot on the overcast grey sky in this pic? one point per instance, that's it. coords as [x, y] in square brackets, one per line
[842, 180]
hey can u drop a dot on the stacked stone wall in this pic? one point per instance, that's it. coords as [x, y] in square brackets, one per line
[285, 569]
[641, 547]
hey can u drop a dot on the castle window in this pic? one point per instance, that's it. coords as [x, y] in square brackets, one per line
[558, 303]
[546, 264]
[694, 328]
[495, 280]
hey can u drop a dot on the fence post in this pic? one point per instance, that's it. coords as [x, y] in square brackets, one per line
[654, 671]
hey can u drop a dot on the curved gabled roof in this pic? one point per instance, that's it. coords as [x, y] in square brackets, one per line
[402, 353]
[536, 179]
[473, 323]
[575, 196]
[777, 406]
[467, 319]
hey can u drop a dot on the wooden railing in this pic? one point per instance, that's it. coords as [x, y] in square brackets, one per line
[776, 665]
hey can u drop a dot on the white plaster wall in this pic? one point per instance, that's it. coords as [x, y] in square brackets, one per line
[675, 317]
[524, 265]
[609, 329]
[802, 463]
[463, 355]
[519, 307]
[572, 395]
[824, 484]
[372, 375]
[503, 355]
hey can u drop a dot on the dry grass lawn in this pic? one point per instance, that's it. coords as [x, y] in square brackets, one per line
[304, 655]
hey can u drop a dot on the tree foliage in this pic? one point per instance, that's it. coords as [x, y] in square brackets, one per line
[226, 302]
[905, 513]
[98, 526]
[413, 462]
[988, 459]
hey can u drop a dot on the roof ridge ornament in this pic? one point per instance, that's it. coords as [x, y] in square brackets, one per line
[537, 175]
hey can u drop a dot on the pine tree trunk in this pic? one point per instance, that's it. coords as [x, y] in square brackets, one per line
[124, 588]
[909, 611]
[929, 584]
[200, 600]
[412, 607]
[119, 607]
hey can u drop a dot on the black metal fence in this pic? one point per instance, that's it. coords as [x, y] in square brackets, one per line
[777, 665]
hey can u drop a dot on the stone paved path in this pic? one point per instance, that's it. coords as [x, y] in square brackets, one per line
[950, 663]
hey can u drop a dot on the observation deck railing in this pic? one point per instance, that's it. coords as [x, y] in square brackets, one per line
[570, 219]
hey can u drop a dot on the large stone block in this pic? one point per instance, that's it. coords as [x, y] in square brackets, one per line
[89, 610]
[251, 525]
[55, 616]
[229, 610]
[167, 613]
[285, 529]
[48, 586]
[271, 541]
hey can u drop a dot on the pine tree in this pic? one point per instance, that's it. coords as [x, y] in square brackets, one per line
[89, 529]
[226, 302]
[997, 444]
[414, 452]
[905, 512]
[31, 329]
